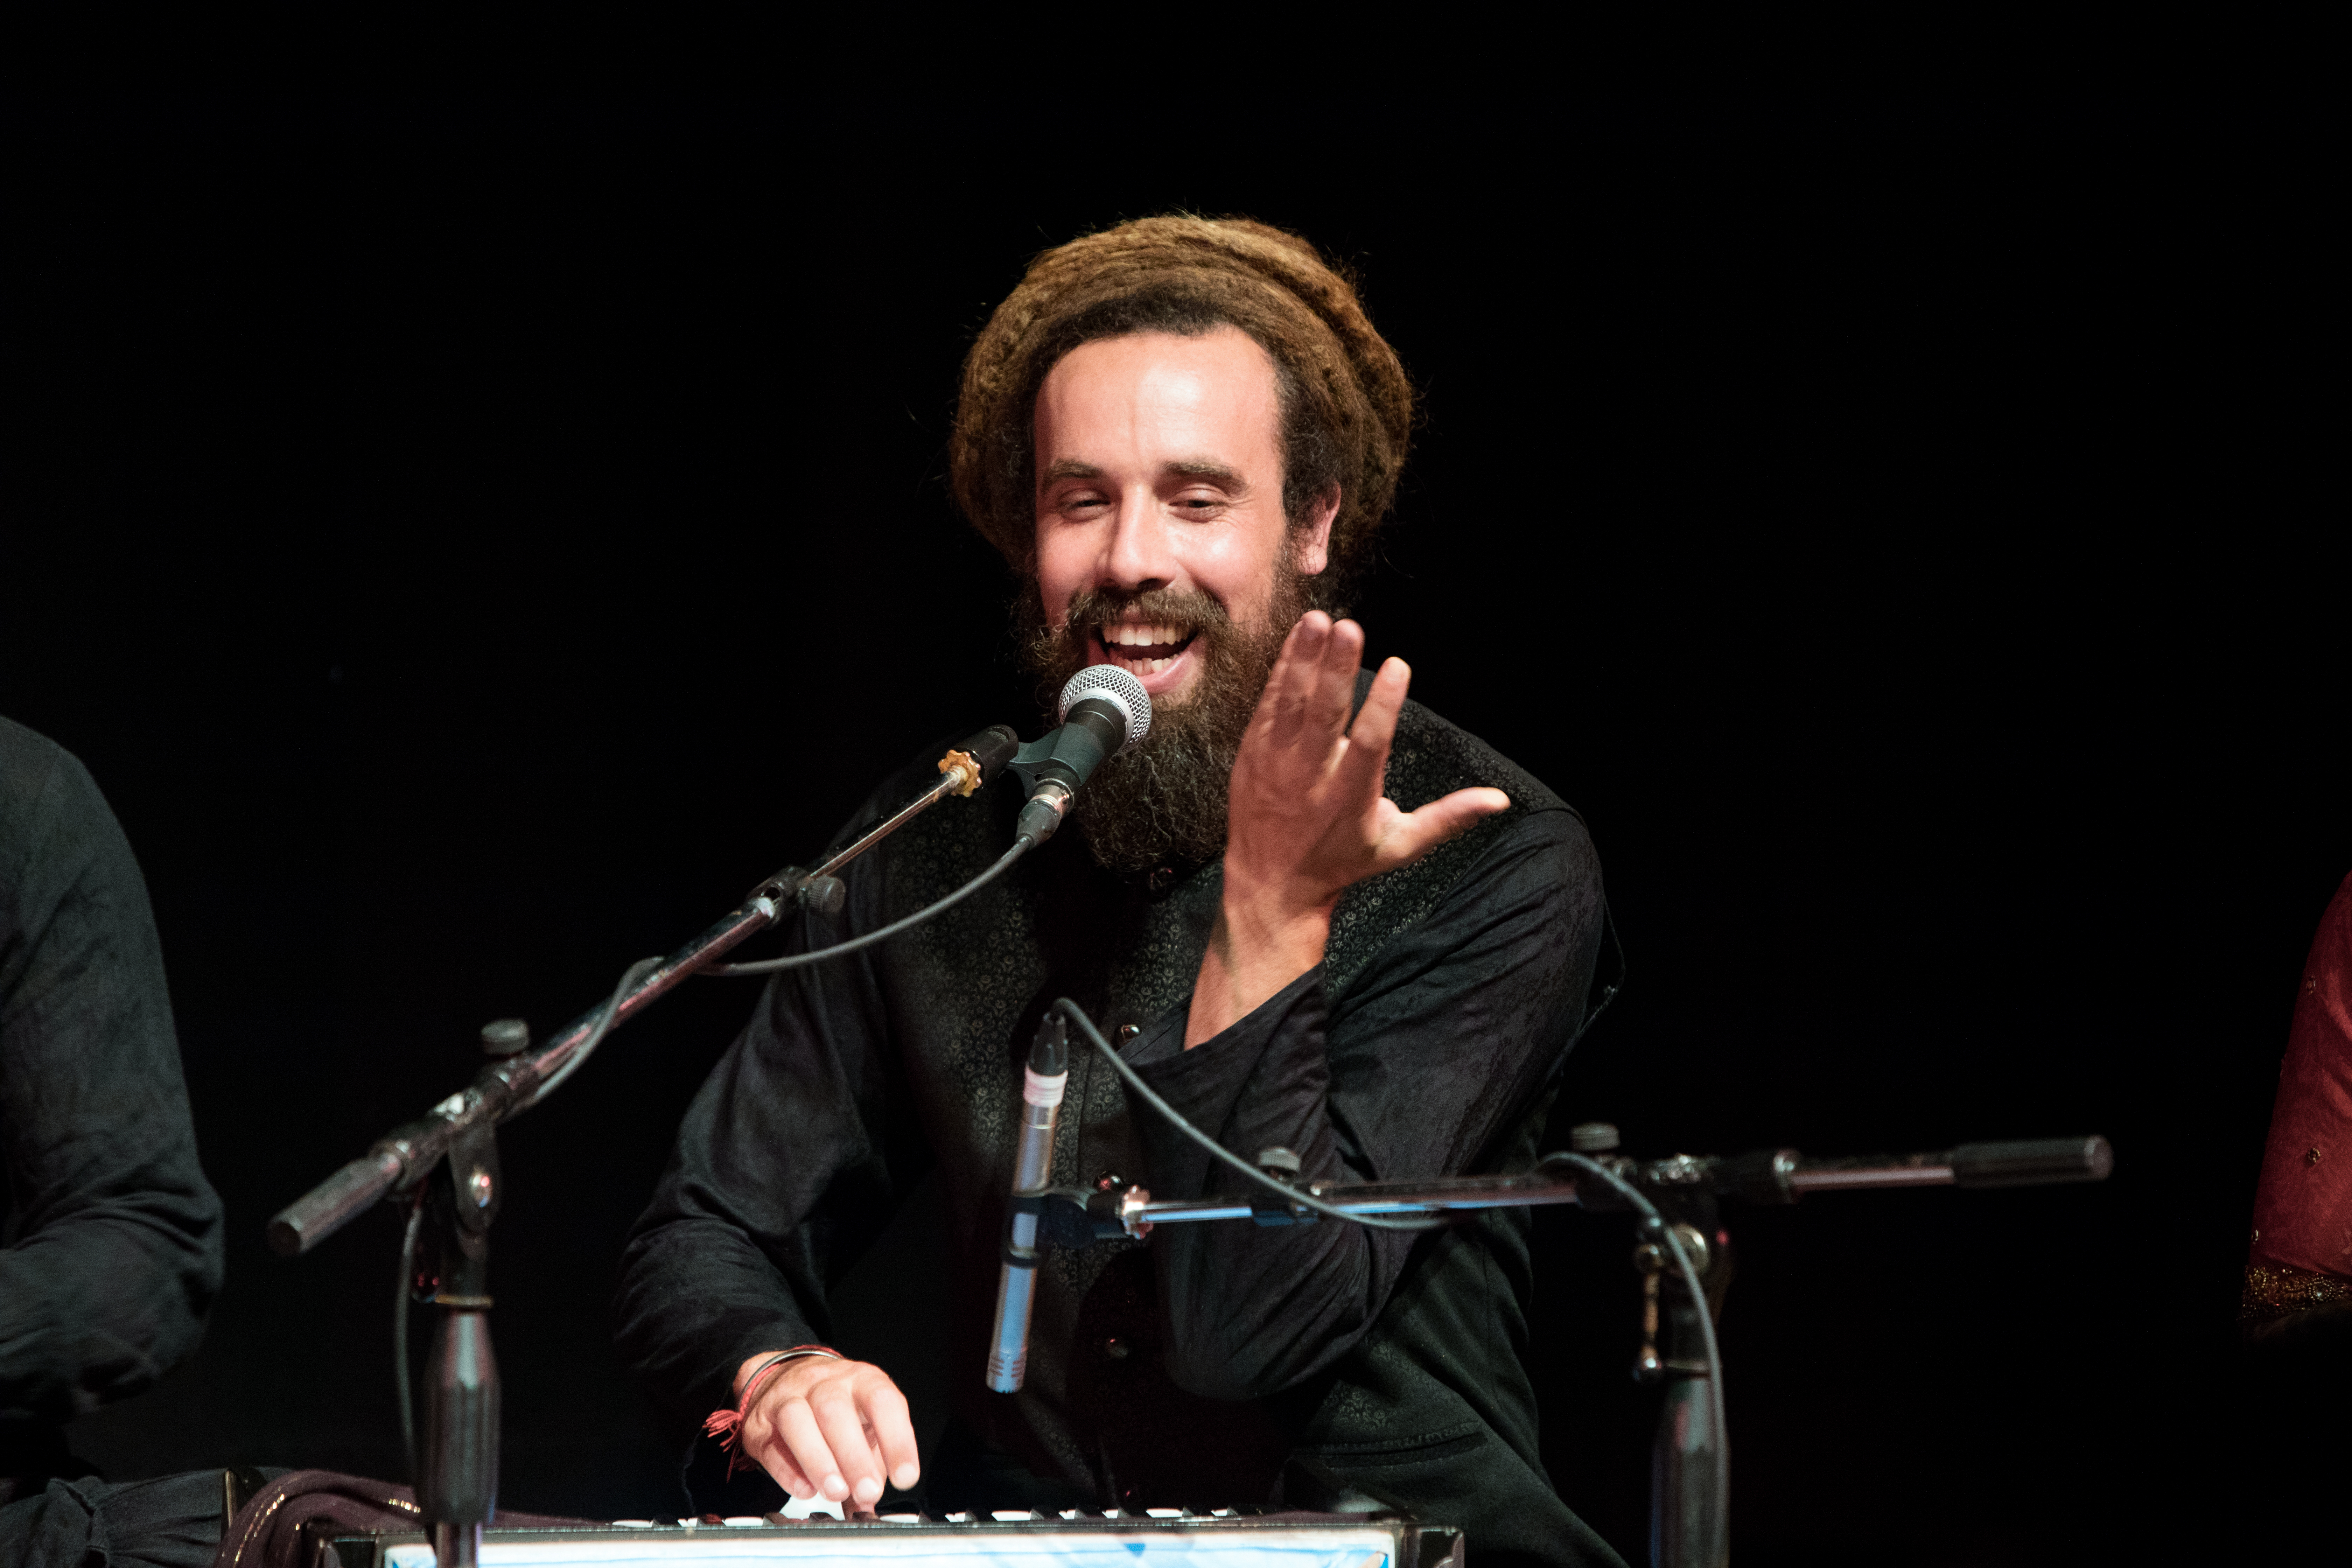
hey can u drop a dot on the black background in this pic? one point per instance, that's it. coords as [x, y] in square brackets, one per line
[472, 544]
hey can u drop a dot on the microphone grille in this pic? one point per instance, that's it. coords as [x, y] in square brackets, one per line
[1116, 685]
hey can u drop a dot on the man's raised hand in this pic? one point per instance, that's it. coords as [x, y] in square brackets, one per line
[1307, 819]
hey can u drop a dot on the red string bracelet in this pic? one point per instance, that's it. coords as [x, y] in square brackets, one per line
[727, 1426]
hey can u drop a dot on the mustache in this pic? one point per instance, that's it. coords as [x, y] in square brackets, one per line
[1090, 607]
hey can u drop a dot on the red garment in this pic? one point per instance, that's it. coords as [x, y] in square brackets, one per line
[2303, 1209]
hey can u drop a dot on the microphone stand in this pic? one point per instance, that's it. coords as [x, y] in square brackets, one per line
[454, 1148]
[1689, 1523]
[456, 1462]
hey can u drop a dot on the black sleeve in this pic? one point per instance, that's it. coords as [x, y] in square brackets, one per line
[113, 1235]
[778, 1179]
[1435, 1051]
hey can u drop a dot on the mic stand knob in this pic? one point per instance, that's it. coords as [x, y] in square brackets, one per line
[824, 895]
[1129, 1212]
[1283, 1167]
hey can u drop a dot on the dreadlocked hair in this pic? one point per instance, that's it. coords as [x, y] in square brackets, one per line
[1346, 406]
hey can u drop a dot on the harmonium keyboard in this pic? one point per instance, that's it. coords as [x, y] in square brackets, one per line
[1172, 1538]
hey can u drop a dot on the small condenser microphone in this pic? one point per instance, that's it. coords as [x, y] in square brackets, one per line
[1103, 711]
[1016, 1281]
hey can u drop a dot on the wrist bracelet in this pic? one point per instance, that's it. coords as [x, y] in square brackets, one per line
[727, 1424]
[773, 1362]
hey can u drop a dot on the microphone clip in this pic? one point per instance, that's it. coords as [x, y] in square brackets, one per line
[1073, 1219]
[1049, 770]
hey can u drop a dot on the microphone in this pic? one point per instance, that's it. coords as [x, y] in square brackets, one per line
[1102, 712]
[1016, 1281]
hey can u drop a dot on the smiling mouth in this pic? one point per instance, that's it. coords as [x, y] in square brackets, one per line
[1144, 648]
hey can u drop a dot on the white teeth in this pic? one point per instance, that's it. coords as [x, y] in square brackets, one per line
[1154, 665]
[1143, 633]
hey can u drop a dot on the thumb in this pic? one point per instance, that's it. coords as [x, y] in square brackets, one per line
[1415, 834]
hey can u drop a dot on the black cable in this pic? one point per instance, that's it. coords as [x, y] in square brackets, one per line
[611, 1016]
[793, 961]
[1143, 1091]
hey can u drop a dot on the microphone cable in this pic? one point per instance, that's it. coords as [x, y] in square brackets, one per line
[629, 978]
[1021, 846]
[645, 966]
[1175, 1118]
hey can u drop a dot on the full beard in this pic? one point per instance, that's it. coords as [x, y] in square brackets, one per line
[1163, 802]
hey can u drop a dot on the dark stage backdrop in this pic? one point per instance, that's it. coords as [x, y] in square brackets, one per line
[471, 544]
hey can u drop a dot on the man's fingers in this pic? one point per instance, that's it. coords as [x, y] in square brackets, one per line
[1296, 672]
[762, 1440]
[1375, 728]
[1413, 834]
[843, 1426]
[797, 1424]
[777, 1460]
[894, 1432]
[1335, 681]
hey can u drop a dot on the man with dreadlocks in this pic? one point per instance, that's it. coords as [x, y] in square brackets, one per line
[1317, 915]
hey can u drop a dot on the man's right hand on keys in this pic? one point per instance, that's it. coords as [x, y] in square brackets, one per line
[825, 1426]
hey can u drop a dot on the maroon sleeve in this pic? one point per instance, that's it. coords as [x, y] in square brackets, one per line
[2303, 1209]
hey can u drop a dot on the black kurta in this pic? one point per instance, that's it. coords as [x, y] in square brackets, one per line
[112, 1239]
[1313, 1362]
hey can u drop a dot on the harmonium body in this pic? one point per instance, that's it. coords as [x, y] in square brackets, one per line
[1172, 1538]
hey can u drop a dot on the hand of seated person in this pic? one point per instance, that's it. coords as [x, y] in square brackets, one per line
[825, 1426]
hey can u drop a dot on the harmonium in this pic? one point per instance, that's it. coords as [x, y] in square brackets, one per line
[1173, 1538]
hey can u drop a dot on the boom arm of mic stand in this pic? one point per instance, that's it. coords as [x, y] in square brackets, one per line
[1768, 1175]
[507, 1089]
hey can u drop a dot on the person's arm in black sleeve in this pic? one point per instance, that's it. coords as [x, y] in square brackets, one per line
[780, 1154]
[778, 1178]
[114, 1251]
[1436, 1050]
